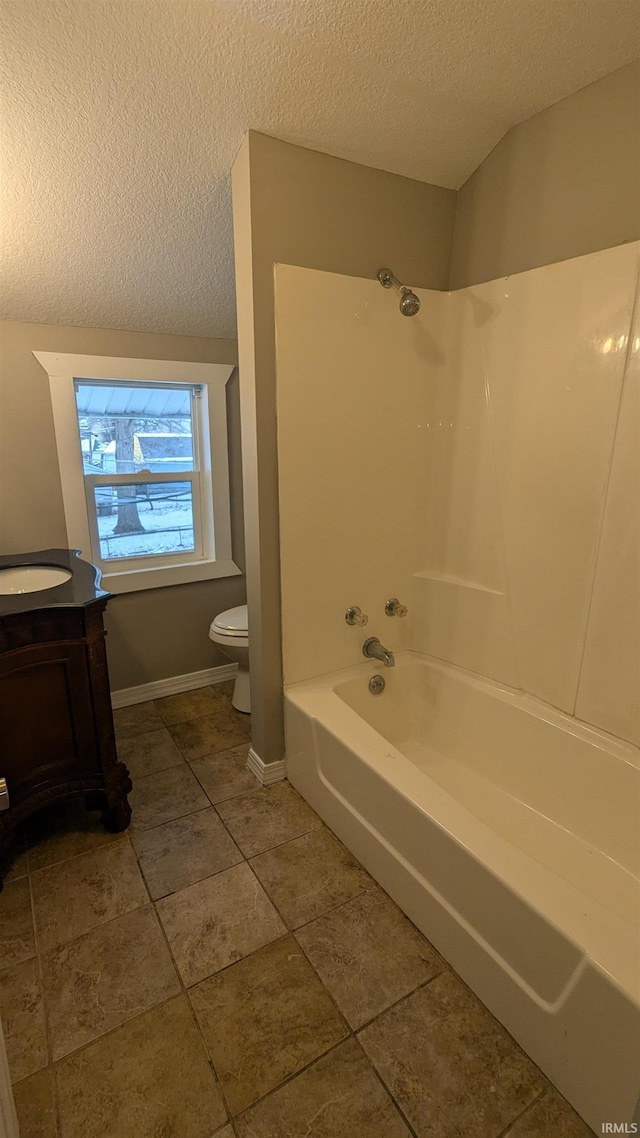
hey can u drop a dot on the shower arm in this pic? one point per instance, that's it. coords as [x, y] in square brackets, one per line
[409, 302]
[387, 280]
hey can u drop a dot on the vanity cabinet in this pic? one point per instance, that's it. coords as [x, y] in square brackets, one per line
[56, 726]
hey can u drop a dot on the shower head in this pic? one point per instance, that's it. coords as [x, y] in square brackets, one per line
[409, 302]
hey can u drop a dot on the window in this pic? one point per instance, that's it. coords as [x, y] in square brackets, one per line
[142, 448]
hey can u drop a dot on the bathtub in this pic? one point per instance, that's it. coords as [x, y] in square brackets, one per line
[508, 832]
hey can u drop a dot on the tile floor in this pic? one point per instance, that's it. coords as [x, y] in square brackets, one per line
[226, 968]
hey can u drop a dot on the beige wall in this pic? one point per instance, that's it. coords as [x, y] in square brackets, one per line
[153, 634]
[564, 183]
[301, 207]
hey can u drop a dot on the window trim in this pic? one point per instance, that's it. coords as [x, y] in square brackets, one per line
[63, 370]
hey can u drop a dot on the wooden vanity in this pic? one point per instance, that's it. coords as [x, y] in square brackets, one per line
[56, 726]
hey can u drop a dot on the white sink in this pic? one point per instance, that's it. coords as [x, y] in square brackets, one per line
[31, 578]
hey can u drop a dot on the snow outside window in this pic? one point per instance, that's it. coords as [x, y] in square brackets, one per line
[142, 447]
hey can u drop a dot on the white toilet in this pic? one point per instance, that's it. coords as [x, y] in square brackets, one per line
[230, 630]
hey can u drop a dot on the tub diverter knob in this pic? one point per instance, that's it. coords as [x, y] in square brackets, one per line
[355, 615]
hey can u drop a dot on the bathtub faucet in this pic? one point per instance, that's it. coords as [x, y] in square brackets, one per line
[373, 649]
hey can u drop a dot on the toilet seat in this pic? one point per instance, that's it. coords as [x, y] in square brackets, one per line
[230, 630]
[231, 623]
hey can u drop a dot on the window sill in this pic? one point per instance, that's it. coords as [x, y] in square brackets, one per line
[133, 581]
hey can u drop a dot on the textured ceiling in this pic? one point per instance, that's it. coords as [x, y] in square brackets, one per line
[122, 118]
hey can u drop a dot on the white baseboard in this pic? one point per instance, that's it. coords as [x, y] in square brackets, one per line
[173, 685]
[266, 773]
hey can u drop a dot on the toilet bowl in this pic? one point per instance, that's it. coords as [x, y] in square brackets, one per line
[230, 631]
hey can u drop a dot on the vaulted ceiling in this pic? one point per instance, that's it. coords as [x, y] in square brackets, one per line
[122, 118]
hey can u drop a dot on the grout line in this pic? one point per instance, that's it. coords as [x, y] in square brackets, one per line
[277, 845]
[209, 1058]
[45, 1013]
[187, 990]
[196, 881]
[232, 963]
[111, 840]
[288, 933]
[52, 1064]
[384, 1086]
[111, 1031]
[290, 1078]
[351, 1032]
[184, 761]
[184, 992]
[326, 912]
[505, 1132]
[396, 1003]
[128, 836]
[149, 829]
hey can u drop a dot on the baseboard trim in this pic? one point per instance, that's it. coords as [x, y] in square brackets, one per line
[266, 773]
[172, 685]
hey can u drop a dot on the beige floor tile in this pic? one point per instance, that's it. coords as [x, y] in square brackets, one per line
[310, 875]
[187, 705]
[226, 774]
[104, 978]
[550, 1117]
[263, 1019]
[149, 1079]
[217, 921]
[146, 754]
[226, 1132]
[135, 720]
[339, 1096]
[224, 729]
[77, 895]
[223, 691]
[368, 954]
[35, 1105]
[267, 817]
[184, 851]
[161, 797]
[17, 936]
[446, 1059]
[65, 830]
[22, 1015]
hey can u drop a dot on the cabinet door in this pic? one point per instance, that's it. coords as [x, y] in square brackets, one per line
[46, 717]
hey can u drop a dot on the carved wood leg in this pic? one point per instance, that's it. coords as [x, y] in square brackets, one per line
[117, 815]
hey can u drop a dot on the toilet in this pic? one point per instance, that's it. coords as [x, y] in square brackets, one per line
[230, 631]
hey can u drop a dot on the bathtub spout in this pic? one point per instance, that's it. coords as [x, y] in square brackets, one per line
[373, 649]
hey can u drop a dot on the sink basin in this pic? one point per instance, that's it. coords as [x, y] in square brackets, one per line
[31, 578]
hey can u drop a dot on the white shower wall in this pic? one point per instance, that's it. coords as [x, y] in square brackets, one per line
[479, 460]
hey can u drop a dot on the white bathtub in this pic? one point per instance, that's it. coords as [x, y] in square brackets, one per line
[509, 834]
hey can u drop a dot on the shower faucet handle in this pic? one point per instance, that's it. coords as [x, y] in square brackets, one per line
[355, 615]
[394, 608]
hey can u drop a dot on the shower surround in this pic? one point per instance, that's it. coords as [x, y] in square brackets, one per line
[479, 462]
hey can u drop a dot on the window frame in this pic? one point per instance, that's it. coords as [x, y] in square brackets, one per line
[214, 559]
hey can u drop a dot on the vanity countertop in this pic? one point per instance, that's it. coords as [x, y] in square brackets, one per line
[82, 588]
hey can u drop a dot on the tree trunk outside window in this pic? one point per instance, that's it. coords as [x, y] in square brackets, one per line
[128, 517]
